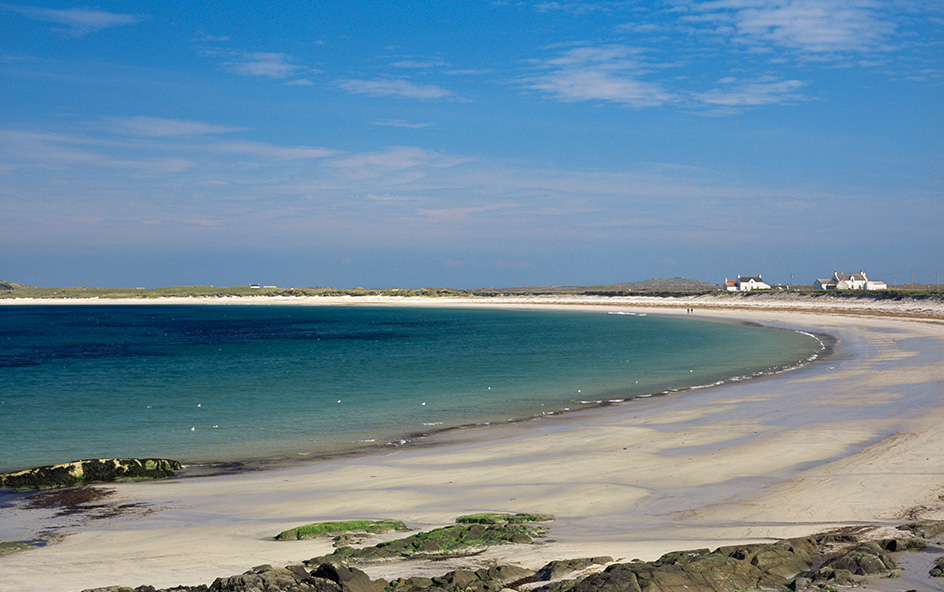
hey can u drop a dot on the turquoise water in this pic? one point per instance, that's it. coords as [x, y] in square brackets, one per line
[236, 382]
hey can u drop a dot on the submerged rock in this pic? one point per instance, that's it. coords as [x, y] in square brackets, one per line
[89, 471]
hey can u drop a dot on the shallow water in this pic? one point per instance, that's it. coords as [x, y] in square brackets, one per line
[221, 383]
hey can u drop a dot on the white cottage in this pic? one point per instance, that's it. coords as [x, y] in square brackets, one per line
[849, 281]
[745, 284]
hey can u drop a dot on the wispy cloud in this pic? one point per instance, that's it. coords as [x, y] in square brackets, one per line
[393, 160]
[269, 65]
[401, 123]
[273, 152]
[812, 26]
[574, 7]
[765, 91]
[77, 21]
[419, 63]
[159, 127]
[397, 87]
[610, 73]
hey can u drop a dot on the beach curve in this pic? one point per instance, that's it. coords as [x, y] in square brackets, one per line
[848, 440]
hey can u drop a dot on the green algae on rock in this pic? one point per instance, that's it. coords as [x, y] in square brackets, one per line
[89, 471]
[16, 546]
[449, 541]
[317, 529]
[501, 518]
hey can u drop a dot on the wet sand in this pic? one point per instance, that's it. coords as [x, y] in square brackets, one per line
[849, 440]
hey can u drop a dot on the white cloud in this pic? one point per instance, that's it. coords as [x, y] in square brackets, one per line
[578, 8]
[813, 26]
[401, 123]
[419, 63]
[396, 87]
[610, 73]
[273, 152]
[159, 127]
[78, 21]
[764, 91]
[269, 65]
[393, 160]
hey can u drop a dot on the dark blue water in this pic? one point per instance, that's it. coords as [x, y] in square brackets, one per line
[237, 382]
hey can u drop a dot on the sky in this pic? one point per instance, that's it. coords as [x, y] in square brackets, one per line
[470, 144]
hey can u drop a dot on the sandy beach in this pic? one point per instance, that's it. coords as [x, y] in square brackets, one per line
[852, 439]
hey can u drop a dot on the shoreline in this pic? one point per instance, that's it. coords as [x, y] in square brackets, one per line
[207, 465]
[848, 440]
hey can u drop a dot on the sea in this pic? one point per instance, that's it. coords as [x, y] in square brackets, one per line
[227, 384]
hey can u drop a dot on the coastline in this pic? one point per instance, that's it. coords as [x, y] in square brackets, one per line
[849, 440]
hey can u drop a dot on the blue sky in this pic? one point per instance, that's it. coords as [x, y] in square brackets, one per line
[470, 144]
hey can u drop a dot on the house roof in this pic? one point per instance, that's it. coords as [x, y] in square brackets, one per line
[747, 278]
[851, 276]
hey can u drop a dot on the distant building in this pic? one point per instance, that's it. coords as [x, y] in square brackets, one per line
[745, 284]
[255, 286]
[849, 281]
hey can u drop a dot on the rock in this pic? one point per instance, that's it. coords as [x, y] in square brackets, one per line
[348, 578]
[88, 471]
[784, 558]
[832, 576]
[455, 579]
[274, 579]
[865, 559]
[448, 541]
[504, 574]
[698, 570]
[926, 529]
[937, 570]
[558, 586]
[898, 545]
[558, 569]
[414, 583]
[800, 583]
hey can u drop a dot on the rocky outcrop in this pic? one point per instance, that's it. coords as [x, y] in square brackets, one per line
[340, 528]
[89, 471]
[718, 571]
[800, 564]
[449, 541]
[865, 559]
[926, 529]
[558, 569]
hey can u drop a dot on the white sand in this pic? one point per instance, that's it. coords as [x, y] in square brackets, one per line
[853, 439]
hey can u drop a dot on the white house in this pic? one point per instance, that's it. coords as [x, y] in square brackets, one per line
[745, 284]
[849, 281]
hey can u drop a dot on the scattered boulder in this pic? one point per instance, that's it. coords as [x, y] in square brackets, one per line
[272, 579]
[728, 568]
[897, 545]
[558, 569]
[346, 577]
[937, 570]
[786, 564]
[926, 529]
[830, 576]
[89, 471]
[863, 560]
